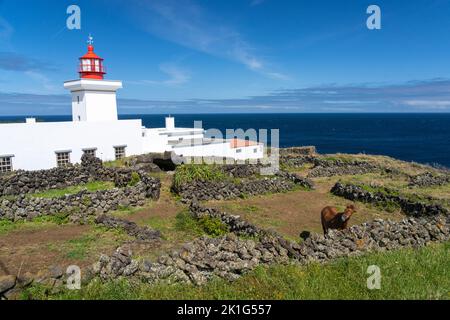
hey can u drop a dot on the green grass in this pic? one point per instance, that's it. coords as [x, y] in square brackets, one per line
[120, 163]
[190, 172]
[135, 178]
[205, 225]
[89, 243]
[127, 210]
[79, 247]
[405, 274]
[90, 186]
[40, 222]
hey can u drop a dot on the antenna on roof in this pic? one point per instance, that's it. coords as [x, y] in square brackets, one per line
[90, 39]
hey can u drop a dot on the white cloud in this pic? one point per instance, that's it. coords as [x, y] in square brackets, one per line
[432, 104]
[43, 80]
[188, 24]
[176, 76]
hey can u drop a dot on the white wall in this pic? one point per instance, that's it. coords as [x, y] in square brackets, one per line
[94, 106]
[158, 139]
[248, 152]
[222, 149]
[152, 141]
[34, 145]
[93, 100]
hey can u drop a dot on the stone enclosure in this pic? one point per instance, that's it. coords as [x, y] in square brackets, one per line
[245, 181]
[131, 189]
[411, 207]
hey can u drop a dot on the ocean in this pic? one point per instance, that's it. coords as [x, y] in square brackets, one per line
[423, 138]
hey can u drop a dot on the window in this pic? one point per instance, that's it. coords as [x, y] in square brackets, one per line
[120, 152]
[255, 150]
[90, 151]
[86, 65]
[62, 158]
[6, 164]
[78, 99]
[238, 150]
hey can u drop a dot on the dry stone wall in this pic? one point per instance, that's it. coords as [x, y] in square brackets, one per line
[429, 179]
[91, 169]
[229, 256]
[18, 205]
[327, 168]
[131, 228]
[81, 205]
[416, 207]
[247, 186]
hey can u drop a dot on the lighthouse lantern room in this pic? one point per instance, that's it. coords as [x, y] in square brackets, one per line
[93, 98]
[91, 65]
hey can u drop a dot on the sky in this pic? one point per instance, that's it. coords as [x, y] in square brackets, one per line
[231, 56]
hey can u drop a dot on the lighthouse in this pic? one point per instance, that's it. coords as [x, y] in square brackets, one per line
[93, 97]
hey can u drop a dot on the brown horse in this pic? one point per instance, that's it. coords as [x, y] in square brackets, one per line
[331, 219]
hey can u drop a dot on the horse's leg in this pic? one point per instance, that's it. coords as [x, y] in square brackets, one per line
[325, 229]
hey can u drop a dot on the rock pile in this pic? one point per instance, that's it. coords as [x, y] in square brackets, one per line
[296, 179]
[241, 170]
[131, 228]
[11, 286]
[226, 257]
[411, 207]
[298, 151]
[145, 163]
[429, 179]
[296, 161]
[337, 167]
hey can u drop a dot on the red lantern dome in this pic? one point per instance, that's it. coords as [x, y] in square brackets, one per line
[91, 65]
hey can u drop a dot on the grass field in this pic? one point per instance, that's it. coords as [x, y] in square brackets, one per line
[405, 274]
[90, 186]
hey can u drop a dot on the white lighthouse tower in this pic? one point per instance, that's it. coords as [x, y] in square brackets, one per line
[93, 98]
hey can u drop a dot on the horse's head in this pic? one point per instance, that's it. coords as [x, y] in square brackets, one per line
[349, 210]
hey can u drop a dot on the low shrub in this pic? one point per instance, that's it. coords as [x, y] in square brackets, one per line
[213, 226]
[135, 179]
[190, 172]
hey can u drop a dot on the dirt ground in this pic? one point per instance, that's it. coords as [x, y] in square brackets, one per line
[30, 250]
[293, 212]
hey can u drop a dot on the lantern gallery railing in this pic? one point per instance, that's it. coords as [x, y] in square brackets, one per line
[91, 68]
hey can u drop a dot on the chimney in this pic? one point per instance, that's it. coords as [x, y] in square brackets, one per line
[170, 123]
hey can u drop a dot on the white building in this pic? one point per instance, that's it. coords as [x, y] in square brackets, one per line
[96, 129]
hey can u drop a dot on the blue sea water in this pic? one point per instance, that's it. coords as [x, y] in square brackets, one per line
[422, 138]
